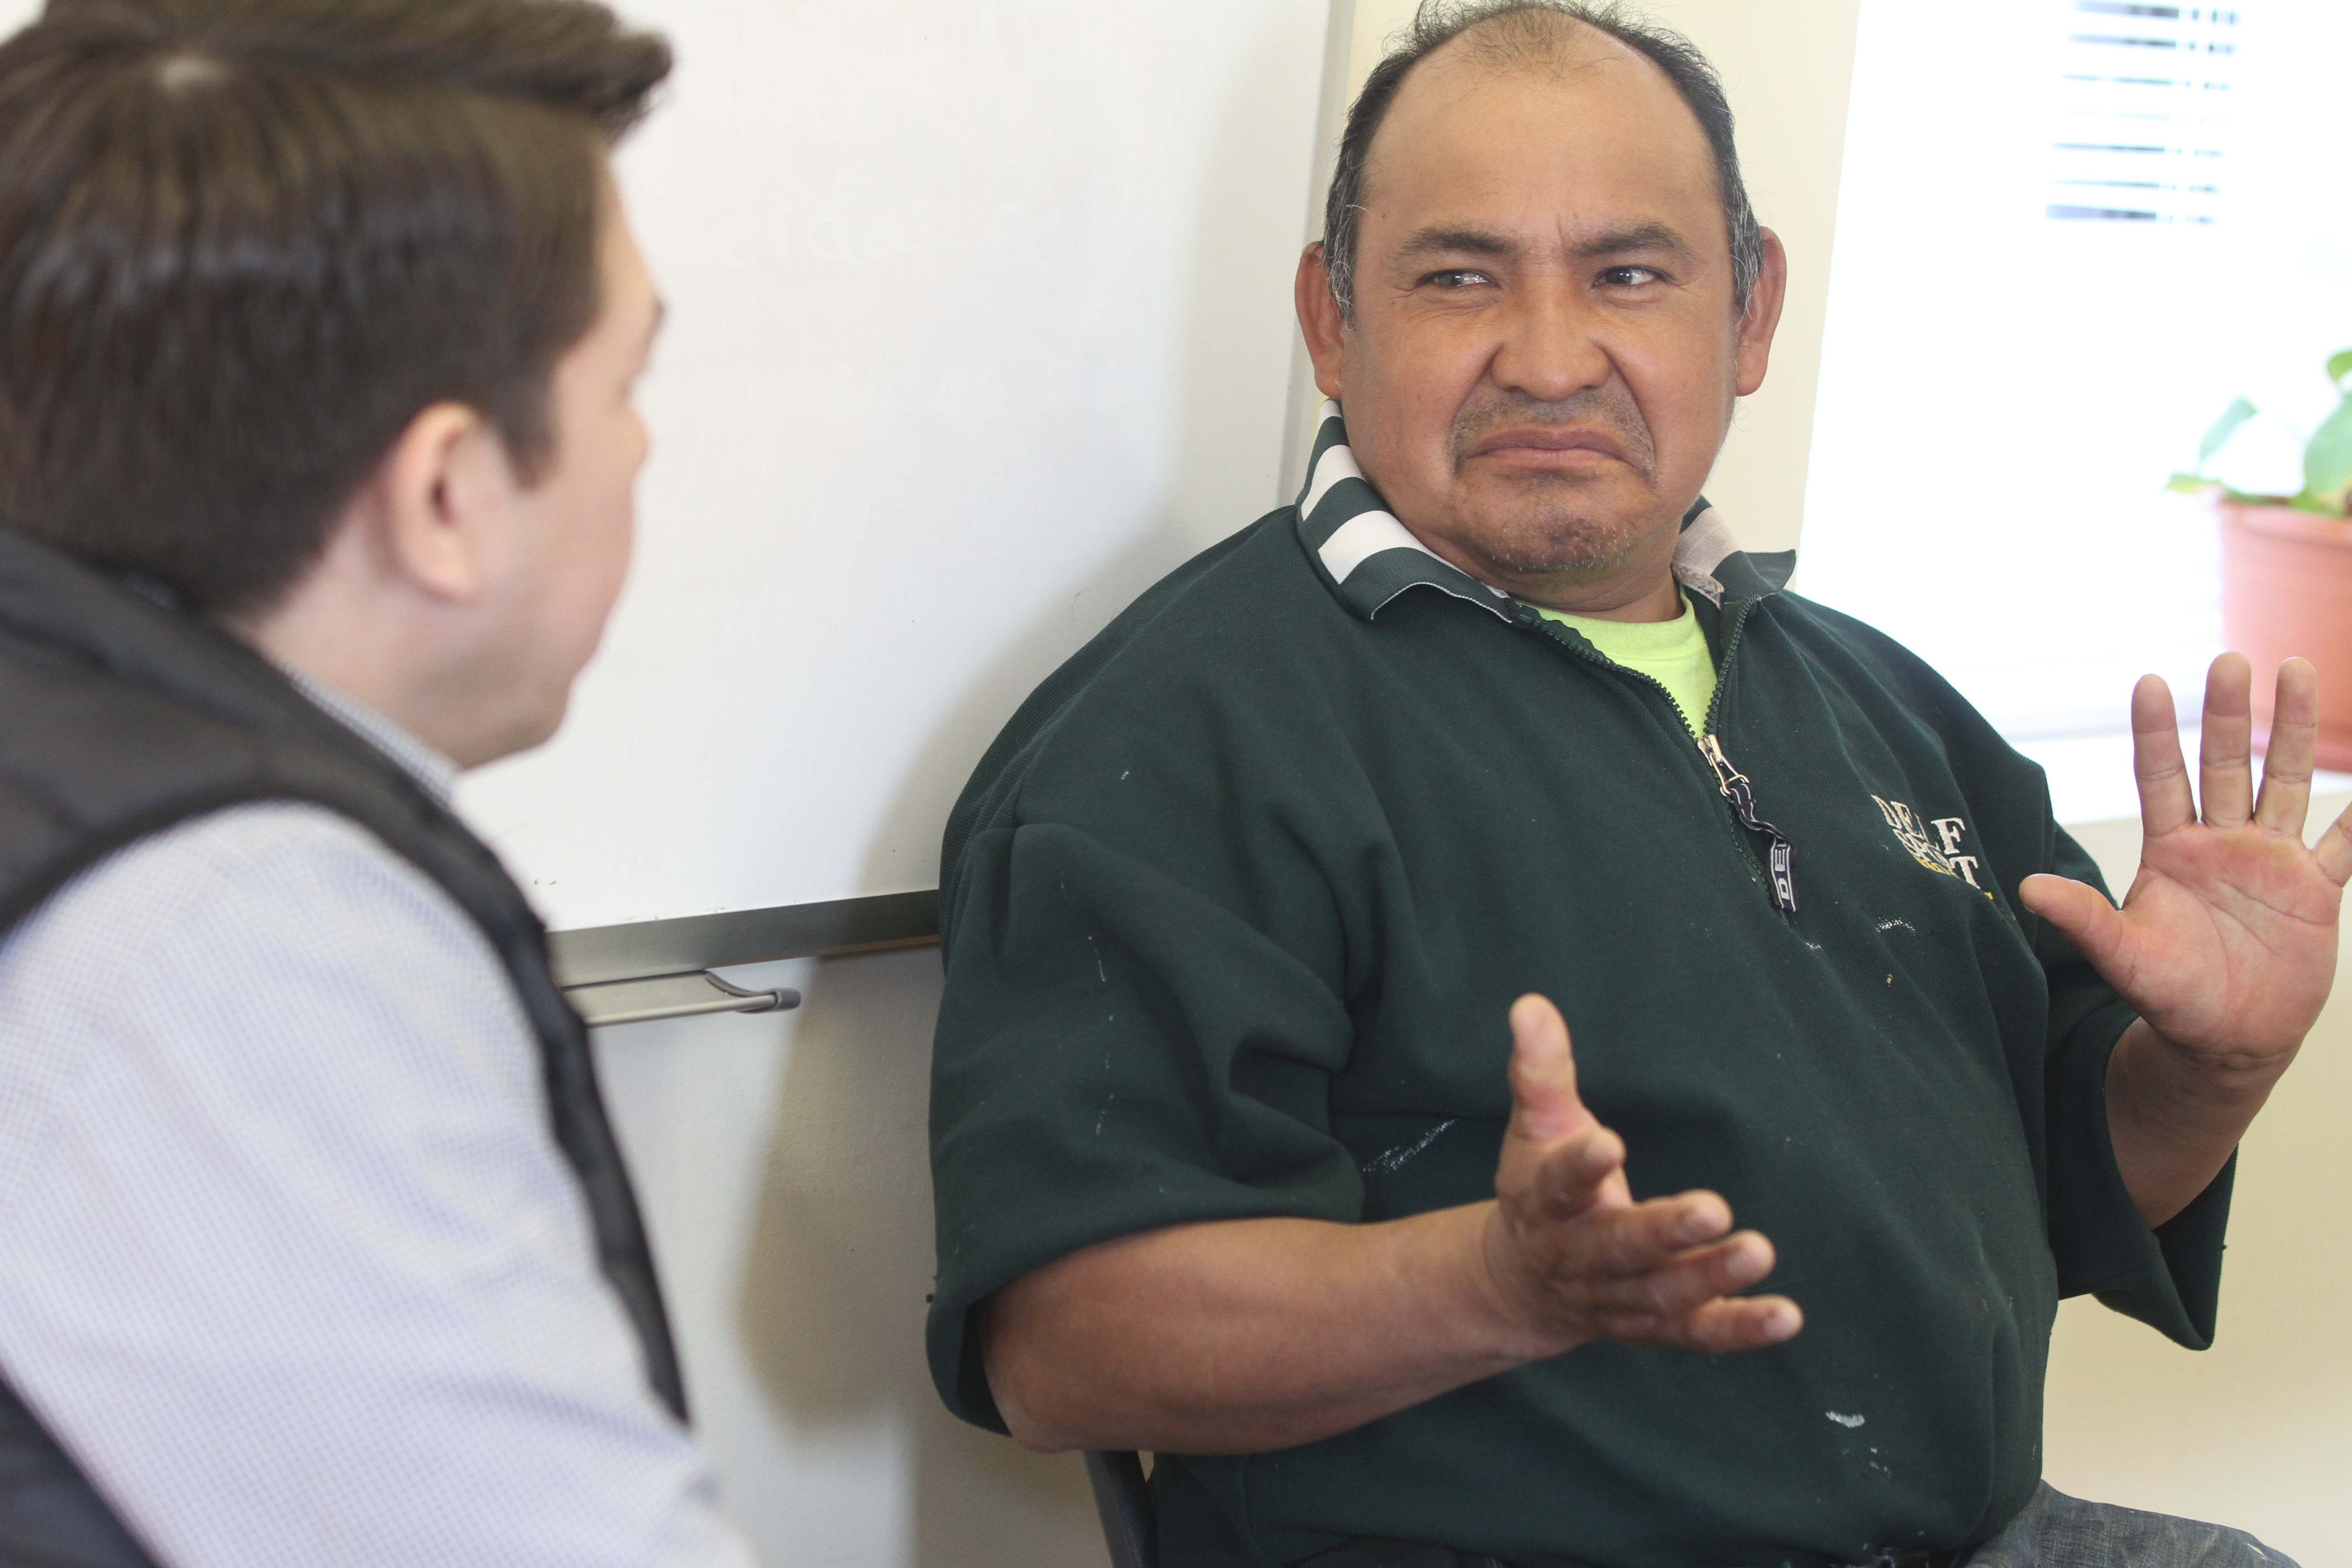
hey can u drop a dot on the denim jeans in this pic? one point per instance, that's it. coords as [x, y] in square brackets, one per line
[2059, 1531]
[2054, 1532]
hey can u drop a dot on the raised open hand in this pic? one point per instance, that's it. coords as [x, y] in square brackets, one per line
[2226, 942]
[1571, 1254]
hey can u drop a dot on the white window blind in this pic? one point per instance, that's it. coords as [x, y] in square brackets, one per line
[2143, 99]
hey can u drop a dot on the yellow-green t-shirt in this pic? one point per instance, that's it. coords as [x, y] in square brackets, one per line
[1673, 653]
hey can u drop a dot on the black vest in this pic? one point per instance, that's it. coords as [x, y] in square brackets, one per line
[119, 718]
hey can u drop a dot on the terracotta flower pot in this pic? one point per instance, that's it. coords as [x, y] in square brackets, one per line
[2286, 591]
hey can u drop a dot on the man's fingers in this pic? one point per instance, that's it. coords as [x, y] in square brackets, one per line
[2225, 747]
[2293, 747]
[1682, 1285]
[1655, 1272]
[2165, 803]
[2334, 850]
[1544, 1102]
[1635, 1239]
[1746, 1324]
[2079, 911]
[1576, 1174]
[1732, 1323]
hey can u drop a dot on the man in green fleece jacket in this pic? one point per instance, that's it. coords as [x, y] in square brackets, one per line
[1256, 1141]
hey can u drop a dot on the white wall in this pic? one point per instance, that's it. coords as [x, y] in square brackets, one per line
[784, 1170]
[980, 323]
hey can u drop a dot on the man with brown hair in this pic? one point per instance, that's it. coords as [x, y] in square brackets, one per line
[319, 321]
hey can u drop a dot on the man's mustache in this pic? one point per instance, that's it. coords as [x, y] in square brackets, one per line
[1610, 408]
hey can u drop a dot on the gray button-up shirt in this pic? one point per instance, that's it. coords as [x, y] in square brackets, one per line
[289, 1260]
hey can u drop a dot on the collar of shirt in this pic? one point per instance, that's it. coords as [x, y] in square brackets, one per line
[436, 772]
[1369, 558]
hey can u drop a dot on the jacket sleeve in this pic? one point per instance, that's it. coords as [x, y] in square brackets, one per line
[2170, 1278]
[1118, 1052]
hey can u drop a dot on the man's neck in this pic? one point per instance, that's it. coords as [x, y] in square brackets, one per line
[388, 650]
[1656, 596]
[1639, 588]
[436, 772]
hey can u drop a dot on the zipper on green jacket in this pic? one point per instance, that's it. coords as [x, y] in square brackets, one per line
[1734, 786]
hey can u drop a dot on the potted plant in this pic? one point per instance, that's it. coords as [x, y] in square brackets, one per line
[2287, 565]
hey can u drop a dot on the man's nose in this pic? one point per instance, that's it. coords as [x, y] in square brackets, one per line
[1550, 349]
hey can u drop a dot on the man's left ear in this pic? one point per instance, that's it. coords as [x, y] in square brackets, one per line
[1762, 316]
[432, 495]
[1319, 321]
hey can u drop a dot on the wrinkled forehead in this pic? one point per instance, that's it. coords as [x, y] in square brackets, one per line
[1538, 98]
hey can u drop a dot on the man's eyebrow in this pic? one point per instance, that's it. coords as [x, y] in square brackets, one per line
[1635, 237]
[1440, 240]
[1444, 240]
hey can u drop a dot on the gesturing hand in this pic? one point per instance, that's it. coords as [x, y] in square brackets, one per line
[1573, 1258]
[2226, 944]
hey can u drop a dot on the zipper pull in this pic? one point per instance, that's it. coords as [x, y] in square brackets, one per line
[1735, 788]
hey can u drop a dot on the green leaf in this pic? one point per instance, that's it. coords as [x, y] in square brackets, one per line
[2327, 461]
[2199, 484]
[2339, 367]
[2225, 427]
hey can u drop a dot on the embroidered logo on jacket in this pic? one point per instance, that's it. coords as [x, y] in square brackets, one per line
[1934, 844]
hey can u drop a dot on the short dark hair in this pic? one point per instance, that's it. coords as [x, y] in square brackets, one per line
[244, 243]
[1439, 22]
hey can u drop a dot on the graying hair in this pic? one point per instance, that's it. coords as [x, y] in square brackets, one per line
[1439, 22]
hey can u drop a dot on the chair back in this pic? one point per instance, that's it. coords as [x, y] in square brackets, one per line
[1123, 1499]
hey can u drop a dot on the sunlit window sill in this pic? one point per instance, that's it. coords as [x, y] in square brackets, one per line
[2091, 778]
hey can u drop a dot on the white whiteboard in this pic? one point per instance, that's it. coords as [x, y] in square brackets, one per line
[980, 322]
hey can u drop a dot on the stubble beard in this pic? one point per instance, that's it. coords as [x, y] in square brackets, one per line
[1547, 527]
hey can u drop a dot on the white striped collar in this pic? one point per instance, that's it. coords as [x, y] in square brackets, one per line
[1370, 557]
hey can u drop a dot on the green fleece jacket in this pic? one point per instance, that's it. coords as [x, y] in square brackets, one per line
[1234, 909]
